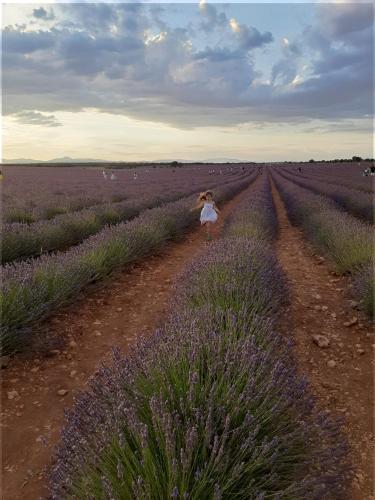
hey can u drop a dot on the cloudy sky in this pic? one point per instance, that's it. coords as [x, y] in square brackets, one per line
[191, 81]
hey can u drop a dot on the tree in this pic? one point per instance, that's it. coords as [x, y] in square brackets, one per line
[356, 158]
[312, 160]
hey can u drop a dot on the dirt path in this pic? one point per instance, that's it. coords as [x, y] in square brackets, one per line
[341, 375]
[132, 303]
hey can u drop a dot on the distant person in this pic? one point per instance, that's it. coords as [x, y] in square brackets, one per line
[105, 175]
[299, 169]
[135, 176]
[1, 175]
[209, 212]
[113, 177]
[369, 171]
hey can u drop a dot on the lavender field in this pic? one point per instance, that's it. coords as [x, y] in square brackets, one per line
[53, 191]
[34, 287]
[197, 411]
[76, 218]
[211, 403]
[348, 174]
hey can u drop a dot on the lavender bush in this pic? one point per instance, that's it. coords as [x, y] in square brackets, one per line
[209, 406]
[364, 287]
[200, 411]
[33, 289]
[255, 217]
[355, 202]
[21, 241]
[345, 240]
[32, 212]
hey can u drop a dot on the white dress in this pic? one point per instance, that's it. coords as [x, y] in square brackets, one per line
[208, 213]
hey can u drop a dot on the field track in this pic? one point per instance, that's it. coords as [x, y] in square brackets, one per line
[347, 388]
[131, 303]
[136, 301]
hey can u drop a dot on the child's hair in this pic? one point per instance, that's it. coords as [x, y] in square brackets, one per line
[203, 196]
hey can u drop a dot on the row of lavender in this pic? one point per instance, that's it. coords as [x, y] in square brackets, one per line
[348, 174]
[35, 288]
[358, 203]
[21, 241]
[346, 241]
[35, 193]
[210, 406]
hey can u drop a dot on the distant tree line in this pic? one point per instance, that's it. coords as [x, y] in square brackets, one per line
[354, 159]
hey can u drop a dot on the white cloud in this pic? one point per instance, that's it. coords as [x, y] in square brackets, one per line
[158, 38]
[298, 80]
[202, 4]
[234, 25]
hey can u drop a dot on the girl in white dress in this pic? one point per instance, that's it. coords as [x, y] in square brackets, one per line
[209, 212]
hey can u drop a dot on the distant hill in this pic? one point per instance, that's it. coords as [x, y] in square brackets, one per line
[68, 159]
[64, 159]
[20, 160]
[169, 160]
[224, 160]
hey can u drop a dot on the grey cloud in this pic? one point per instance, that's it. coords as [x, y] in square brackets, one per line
[81, 63]
[340, 20]
[346, 126]
[36, 118]
[22, 42]
[339, 46]
[84, 55]
[93, 16]
[218, 54]
[251, 38]
[156, 13]
[338, 60]
[284, 71]
[41, 13]
[292, 49]
[212, 19]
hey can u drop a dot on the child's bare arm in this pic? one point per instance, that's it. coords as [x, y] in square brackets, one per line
[216, 208]
[199, 205]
